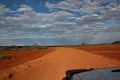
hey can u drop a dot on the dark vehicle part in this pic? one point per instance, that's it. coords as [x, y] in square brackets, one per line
[70, 73]
[94, 74]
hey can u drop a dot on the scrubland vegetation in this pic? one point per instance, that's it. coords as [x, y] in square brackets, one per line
[8, 49]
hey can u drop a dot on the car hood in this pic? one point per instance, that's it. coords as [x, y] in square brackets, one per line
[99, 74]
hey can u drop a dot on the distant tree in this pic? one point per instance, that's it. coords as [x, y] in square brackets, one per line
[82, 43]
[35, 44]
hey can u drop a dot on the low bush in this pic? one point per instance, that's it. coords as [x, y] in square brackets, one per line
[6, 57]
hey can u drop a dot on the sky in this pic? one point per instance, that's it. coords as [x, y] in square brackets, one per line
[59, 22]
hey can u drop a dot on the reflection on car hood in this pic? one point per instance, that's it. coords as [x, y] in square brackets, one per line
[99, 74]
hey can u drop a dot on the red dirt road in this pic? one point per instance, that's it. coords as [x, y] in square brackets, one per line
[53, 65]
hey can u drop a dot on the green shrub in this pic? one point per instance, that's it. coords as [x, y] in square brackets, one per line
[43, 47]
[6, 57]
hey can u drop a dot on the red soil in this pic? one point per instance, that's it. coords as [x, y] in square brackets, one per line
[20, 57]
[108, 51]
[52, 66]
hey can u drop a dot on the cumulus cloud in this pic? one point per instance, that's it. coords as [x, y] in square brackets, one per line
[61, 14]
[106, 37]
[84, 6]
[62, 24]
[24, 8]
[89, 20]
[68, 4]
[33, 19]
[57, 15]
[114, 28]
[3, 9]
[70, 21]
[113, 13]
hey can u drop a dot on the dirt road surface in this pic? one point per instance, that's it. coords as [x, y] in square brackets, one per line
[53, 65]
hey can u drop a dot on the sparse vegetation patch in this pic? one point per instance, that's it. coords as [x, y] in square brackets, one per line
[5, 57]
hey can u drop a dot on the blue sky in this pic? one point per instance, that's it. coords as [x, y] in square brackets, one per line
[59, 22]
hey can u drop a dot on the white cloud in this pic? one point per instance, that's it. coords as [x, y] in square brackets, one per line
[61, 14]
[106, 37]
[83, 6]
[89, 20]
[62, 24]
[33, 19]
[68, 5]
[24, 8]
[113, 13]
[57, 15]
[3, 9]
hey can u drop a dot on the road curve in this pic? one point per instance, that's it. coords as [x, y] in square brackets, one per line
[54, 65]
